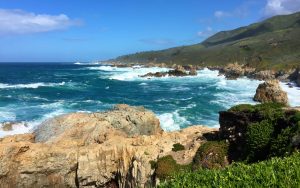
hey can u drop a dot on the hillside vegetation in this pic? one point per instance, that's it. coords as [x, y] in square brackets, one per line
[256, 146]
[276, 172]
[270, 44]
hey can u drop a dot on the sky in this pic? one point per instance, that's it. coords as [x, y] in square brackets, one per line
[92, 30]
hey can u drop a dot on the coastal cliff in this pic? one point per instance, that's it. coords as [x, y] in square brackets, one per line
[109, 149]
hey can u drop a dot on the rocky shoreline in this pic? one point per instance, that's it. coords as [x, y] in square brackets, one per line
[109, 149]
[118, 148]
[230, 71]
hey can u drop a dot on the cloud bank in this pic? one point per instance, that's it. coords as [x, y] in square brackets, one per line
[22, 22]
[281, 7]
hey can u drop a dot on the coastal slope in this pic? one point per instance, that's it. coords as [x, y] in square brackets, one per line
[271, 44]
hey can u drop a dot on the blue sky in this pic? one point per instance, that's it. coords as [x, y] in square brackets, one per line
[89, 30]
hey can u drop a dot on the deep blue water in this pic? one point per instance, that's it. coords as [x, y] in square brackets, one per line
[34, 92]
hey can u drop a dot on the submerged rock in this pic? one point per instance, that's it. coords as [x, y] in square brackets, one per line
[109, 149]
[270, 91]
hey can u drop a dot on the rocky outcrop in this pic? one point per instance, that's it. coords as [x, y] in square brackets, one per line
[109, 149]
[235, 70]
[264, 75]
[270, 91]
[178, 71]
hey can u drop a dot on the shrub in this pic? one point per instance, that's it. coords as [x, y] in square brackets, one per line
[276, 172]
[212, 154]
[258, 137]
[177, 147]
[281, 145]
[295, 118]
[153, 164]
[242, 108]
[166, 167]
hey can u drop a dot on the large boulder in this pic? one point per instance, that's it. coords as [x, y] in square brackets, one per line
[130, 121]
[109, 149]
[270, 91]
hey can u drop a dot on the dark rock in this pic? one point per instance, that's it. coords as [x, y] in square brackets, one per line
[178, 71]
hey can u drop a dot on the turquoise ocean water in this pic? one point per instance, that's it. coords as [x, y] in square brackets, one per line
[33, 92]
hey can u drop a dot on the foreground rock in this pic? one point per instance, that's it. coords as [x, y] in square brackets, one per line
[110, 149]
[270, 91]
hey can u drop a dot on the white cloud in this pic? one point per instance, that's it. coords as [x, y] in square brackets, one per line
[206, 33]
[281, 7]
[21, 22]
[221, 14]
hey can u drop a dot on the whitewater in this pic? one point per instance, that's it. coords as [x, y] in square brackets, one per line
[33, 93]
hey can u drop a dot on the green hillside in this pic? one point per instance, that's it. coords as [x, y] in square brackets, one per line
[270, 44]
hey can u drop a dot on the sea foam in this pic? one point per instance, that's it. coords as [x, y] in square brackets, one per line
[31, 85]
[172, 121]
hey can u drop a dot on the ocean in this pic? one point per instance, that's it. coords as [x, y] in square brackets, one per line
[30, 93]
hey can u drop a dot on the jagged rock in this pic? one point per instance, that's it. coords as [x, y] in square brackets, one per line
[264, 75]
[270, 91]
[235, 70]
[178, 71]
[106, 149]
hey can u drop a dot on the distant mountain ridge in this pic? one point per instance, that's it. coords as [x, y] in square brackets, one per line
[271, 44]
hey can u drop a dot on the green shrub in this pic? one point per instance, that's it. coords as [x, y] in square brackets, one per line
[258, 137]
[281, 145]
[296, 118]
[177, 147]
[212, 154]
[270, 111]
[276, 172]
[153, 164]
[242, 108]
[166, 167]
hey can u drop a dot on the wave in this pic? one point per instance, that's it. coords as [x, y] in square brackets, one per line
[28, 126]
[293, 94]
[93, 63]
[172, 121]
[104, 68]
[31, 85]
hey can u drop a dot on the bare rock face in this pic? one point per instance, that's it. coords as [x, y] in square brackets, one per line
[235, 70]
[264, 75]
[270, 91]
[109, 149]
